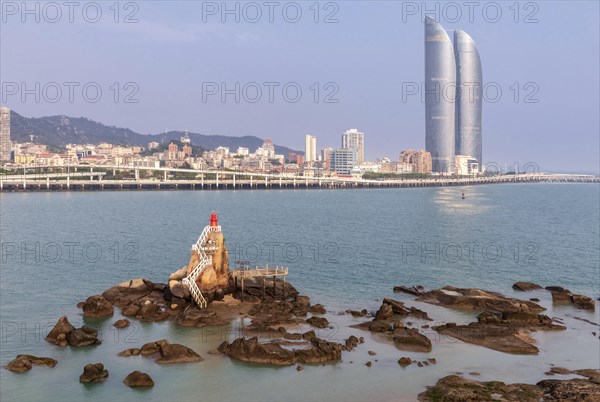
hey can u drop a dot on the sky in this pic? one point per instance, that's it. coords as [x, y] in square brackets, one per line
[281, 70]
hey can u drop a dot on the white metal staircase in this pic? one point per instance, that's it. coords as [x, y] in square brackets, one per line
[204, 250]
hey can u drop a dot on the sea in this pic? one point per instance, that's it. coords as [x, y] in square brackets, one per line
[345, 249]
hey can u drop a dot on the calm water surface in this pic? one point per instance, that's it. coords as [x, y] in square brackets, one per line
[345, 249]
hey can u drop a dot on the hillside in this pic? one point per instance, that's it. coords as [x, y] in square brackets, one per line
[57, 131]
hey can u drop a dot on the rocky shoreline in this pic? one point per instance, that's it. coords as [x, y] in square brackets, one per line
[284, 331]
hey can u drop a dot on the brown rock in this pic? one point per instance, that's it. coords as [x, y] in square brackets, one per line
[397, 307]
[526, 286]
[411, 340]
[385, 312]
[251, 350]
[127, 292]
[351, 342]
[151, 348]
[131, 310]
[319, 322]
[561, 296]
[97, 306]
[93, 373]
[120, 324]
[584, 302]
[130, 352]
[413, 290]
[477, 299]
[317, 309]
[454, 389]
[368, 364]
[62, 327]
[404, 361]
[355, 313]
[176, 353]
[179, 290]
[379, 326]
[19, 365]
[321, 351]
[84, 336]
[497, 337]
[137, 379]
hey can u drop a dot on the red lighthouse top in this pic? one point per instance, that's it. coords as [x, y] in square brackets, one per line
[214, 219]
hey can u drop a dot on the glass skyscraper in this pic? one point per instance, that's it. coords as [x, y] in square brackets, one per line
[440, 94]
[469, 93]
[453, 96]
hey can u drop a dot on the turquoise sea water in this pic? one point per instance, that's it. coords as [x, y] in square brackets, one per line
[345, 249]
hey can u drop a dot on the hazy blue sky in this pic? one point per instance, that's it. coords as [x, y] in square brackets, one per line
[370, 53]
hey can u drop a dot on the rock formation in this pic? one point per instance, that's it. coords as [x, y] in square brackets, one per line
[526, 286]
[97, 306]
[454, 388]
[137, 379]
[168, 353]
[314, 350]
[24, 363]
[64, 334]
[93, 373]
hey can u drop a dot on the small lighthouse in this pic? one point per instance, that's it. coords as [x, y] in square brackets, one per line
[214, 219]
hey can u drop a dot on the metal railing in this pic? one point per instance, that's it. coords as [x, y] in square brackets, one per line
[205, 260]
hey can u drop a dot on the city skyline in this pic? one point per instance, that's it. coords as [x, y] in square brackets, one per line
[369, 87]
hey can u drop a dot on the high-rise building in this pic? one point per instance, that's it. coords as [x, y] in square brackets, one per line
[310, 149]
[453, 97]
[355, 139]
[440, 94]
[469, 96]
[342, 161]
[5, 143]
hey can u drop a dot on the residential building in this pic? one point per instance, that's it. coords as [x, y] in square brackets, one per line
[310, 149]
[5, 143]
[355, 139]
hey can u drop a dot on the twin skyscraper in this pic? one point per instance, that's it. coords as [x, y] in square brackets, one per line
[453, 98]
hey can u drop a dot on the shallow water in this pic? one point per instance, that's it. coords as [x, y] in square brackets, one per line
[345, 249]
